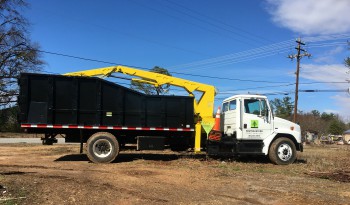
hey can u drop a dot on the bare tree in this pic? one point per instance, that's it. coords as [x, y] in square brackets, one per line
[17, 53]
[313, 122]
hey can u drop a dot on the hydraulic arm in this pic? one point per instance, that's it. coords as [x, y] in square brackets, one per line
[203, 107]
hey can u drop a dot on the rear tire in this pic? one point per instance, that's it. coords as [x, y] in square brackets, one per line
[282, 151]
[102, 147]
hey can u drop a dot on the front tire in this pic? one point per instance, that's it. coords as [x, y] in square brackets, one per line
[282, 151]
[102, 147]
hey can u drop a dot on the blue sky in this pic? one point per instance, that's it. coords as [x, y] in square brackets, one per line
[245, 41]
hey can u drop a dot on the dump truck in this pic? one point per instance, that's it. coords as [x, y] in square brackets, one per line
[85, 108]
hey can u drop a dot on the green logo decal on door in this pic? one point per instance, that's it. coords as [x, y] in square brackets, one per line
[254, 123]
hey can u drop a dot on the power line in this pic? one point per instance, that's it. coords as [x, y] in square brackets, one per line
[325, 82]
[222, 23]
[244, 59]
[236, 92]
[326, 44]
[307, 91]
[241, 56]
[129, 34]
[188, 74]
[263, 51]
[182, 11]
[212, 77]
[224, 78]
[327, 37]
[182, 20]
[269, 52]
[283, 85]
[180, 73]
[321, 45]
[336, 90]
[76, 57]
[230, 91]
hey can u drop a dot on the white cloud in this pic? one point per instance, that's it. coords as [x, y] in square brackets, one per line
[329, 56]
[336, 50]
[310, 17]
[326, 73]
[331, 111]
[343, 103]
[331, 73]
[324, 59]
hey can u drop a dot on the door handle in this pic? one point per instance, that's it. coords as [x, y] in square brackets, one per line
[245, 126]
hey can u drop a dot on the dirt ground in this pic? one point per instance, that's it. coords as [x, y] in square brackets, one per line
[58, 174]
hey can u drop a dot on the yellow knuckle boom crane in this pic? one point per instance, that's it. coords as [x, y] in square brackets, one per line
[203, 107]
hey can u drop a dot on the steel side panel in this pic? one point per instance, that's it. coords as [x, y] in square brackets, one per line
[88, 101]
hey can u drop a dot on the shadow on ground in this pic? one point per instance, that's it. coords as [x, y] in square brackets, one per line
[73, 157]
[123, 157]
[129, 157]
[251, 159]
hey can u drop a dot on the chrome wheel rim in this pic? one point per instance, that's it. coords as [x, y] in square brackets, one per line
[284, 152]
[102, 148]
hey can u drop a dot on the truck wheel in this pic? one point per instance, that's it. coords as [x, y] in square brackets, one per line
[102, 147]
[282, 151]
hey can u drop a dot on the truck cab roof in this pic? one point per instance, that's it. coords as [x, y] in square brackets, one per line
[244, 96]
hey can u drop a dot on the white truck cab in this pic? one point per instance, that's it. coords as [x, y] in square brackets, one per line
[249, 127]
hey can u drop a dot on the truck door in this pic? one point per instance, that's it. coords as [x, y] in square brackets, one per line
[257, 123]
[229, 117]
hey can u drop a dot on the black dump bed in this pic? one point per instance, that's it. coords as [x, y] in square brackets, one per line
[64, 100]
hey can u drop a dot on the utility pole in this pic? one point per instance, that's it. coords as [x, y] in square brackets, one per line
[300, 53]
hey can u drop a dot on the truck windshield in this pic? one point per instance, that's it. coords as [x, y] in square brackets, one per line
[255, 106]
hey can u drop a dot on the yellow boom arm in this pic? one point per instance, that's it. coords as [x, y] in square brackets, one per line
[203, 107]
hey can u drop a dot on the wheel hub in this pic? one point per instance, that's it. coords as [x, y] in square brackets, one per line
[102, 148]
[284, 152]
